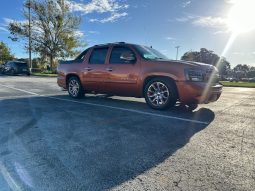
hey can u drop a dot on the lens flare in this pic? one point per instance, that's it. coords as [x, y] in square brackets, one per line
[241, 16]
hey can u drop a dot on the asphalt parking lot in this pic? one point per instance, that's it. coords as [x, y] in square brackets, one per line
[49, 141]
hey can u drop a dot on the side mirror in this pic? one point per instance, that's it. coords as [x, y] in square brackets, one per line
[128, 57]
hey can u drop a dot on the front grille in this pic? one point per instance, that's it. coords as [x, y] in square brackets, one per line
[213, 75]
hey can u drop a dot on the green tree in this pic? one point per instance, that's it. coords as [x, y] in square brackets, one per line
[251, 74]
[53, 29]
[204, 56]
[5, 53]
[242, 68]
[224, 67]
[208, 57]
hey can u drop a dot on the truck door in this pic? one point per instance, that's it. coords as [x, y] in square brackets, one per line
[124, 69]
[95, 73]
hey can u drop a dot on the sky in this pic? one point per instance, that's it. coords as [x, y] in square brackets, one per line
[162, 24]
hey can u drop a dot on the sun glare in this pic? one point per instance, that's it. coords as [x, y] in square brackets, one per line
[241, 17]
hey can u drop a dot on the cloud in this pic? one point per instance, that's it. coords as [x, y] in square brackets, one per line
[186, 4]
[238, 53]
[114, 17]
[213, 22]
[218, 23]
[93, 32]
[4, 25]
[170, 38]
[7, 21]
[112, 7]
[246, 54]
[98, 6]
[185, 19]
[79, 34]
[231, 1]
[221, 32]
[3, 29]
[204, 21]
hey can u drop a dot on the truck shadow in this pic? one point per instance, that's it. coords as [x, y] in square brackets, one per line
[85, 147]
[202, 114]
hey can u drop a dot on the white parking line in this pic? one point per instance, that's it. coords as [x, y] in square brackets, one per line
[15, 97]
[111, 107]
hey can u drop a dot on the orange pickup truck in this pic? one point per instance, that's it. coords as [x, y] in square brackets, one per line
[125, 69]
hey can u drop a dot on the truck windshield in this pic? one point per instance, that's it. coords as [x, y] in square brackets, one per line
[150, 53]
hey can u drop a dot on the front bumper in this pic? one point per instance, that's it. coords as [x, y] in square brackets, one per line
[198, 92]
[61, 81]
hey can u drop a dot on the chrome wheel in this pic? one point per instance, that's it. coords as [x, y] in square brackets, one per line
[74, 87]
[158, 94]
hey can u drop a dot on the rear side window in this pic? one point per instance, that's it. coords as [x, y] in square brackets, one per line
[98, 56]
[118, 52]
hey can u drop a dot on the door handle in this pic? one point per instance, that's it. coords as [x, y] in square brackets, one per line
[88, 69]
[109, 69]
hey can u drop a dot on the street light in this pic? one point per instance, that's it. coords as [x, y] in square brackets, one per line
[29, 35]
[177, 51]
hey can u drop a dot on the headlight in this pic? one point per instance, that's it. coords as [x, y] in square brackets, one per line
[194, 75]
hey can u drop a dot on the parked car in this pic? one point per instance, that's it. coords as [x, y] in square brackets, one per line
[1, 67]
[16, 67]
[245, 79]
[252, 79]
[133, 70]
[233, 79]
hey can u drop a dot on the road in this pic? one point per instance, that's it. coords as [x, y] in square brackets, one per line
[49, 141]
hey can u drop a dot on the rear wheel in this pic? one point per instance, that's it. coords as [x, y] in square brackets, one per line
[160, 93]
[75, 88]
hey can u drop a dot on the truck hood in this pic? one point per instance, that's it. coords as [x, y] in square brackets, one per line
[190, 64]
[194, 64]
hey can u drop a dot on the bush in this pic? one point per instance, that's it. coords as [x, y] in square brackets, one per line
[36, 70]
[48, 72]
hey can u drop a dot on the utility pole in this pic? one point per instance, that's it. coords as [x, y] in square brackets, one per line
[177, 51]
[29, 35]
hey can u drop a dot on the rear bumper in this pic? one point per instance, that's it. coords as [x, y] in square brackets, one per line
[198, 92]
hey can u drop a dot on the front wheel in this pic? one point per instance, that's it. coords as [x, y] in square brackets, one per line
[192, 106]
[12, 72]
[160, 93]
[75, 88]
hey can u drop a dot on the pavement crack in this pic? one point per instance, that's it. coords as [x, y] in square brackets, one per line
[177, 183]
[241, 151]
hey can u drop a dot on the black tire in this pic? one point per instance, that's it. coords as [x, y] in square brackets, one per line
[160, 93]
[12, 72]
[75, 88]
[192, 106]
[28, 74]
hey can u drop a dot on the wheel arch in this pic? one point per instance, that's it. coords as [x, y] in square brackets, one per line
[171, 79]
[71, 75]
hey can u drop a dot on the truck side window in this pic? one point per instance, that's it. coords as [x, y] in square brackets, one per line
[82, 55]
[98, 56]
[122, 55]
